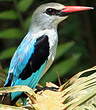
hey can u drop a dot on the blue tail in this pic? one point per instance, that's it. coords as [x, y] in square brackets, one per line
[31, 82]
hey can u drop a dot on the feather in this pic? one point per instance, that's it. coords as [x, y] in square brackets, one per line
[28, 63]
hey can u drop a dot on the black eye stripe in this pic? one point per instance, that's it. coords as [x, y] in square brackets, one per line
[54, 12]
[51, 11]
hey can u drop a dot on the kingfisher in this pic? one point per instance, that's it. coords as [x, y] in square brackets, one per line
[37, 50]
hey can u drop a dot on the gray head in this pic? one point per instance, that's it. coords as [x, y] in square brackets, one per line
[51, 14]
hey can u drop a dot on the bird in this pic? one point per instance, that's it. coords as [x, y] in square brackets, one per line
[37, 51]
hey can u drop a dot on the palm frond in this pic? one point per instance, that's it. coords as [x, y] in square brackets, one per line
[78, 93]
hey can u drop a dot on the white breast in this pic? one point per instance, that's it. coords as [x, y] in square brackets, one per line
[53, 41]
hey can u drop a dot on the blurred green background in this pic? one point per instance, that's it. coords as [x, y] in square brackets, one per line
[76, 50]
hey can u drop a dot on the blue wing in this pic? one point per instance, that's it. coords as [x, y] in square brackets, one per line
[28, 63]
[20, 59]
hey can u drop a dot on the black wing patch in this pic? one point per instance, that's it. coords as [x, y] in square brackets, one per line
[38, 58]
[9, 80]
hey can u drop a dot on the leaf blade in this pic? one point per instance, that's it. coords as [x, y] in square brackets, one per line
[63, 48]
[59, 68]
[9, 15]
[11, 33]
[7, 53]
[23, 5]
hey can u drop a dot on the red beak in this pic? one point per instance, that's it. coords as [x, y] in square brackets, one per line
[70, 9]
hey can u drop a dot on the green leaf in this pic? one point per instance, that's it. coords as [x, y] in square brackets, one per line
[27, 22]
[7, 53]
[23, 5]
[61, 69]
[11, 33]
[63, 48]
[11, 14]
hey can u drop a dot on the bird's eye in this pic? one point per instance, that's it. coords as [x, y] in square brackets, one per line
[50, 11]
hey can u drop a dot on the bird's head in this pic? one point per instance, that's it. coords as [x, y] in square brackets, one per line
[51, 14]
